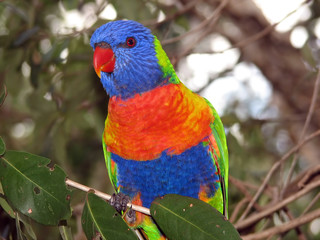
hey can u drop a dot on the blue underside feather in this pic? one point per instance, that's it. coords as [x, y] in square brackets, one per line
[180, 174]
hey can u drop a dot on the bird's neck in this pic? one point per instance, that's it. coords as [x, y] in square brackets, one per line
[168, 118]
[164, 63]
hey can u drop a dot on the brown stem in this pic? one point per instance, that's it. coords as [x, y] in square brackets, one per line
[104, 195]
[275, 166]
[284, 227]
[270, 210]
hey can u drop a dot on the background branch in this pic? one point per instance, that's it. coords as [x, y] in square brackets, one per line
[273, 169]
[275, 207]
[284, 227]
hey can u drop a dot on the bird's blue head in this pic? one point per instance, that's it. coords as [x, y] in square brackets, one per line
[129, 59]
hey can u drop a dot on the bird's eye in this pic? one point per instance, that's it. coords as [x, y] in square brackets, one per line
[131, 42]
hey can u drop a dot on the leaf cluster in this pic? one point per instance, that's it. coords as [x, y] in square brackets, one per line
[32, 189]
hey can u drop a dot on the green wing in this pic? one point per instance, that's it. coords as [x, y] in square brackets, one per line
[111, 166]
[223, 160]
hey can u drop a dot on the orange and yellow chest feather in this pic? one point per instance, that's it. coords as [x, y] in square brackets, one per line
[168, 118]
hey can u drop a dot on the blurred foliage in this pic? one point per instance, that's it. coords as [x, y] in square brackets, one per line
[52, 99]
[51, 108]
[56, 106]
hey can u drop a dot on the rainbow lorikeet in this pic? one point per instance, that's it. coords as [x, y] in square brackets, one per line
[159, 136]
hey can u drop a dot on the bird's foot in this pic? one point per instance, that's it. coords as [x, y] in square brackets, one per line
[130, 216]
[119, 201]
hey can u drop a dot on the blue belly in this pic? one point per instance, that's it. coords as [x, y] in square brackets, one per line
[180, 174]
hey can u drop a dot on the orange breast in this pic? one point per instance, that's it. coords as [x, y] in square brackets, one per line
[169, 118]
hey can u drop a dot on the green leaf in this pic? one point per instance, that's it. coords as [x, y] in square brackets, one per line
[2, 147]
[65, 232]
[25, 36]
[188, 218]
[101, 219]
[20, 234]
[35, 189]
[27, 229]
[6, 207]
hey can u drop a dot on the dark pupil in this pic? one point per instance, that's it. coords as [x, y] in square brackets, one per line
[130, 42]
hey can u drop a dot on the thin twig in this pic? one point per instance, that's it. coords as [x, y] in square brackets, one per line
[284, 227]
[298, 230]
[104, 195]
[237, 208]
[308, 175]
[314, 200]
[203, 34]
[264, 225]
[264, 32]
[276, 166]
[244, 183]
[185, 9]
[201, 26]
[304, 129]
[270, 210]
[239, 185]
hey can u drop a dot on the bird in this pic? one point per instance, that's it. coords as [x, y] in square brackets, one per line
[159, 137]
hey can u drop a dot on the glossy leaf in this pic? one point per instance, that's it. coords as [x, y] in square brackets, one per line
[100, 219]
[188, 218]
[35, 189]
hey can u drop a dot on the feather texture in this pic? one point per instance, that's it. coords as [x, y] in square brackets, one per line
[159, 136]
[168, 118]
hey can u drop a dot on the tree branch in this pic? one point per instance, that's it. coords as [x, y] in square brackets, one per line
[284, 227]
[305, 127]
[237, 209]
[273, 169]
[256, 217]
[105, 196]
[314, 200]
[213, 17]
[264, 32]
[184, 10]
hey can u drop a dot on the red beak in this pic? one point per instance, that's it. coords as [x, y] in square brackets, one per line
[103, 60]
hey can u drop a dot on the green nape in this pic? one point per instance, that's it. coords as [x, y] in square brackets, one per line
[164, 62]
